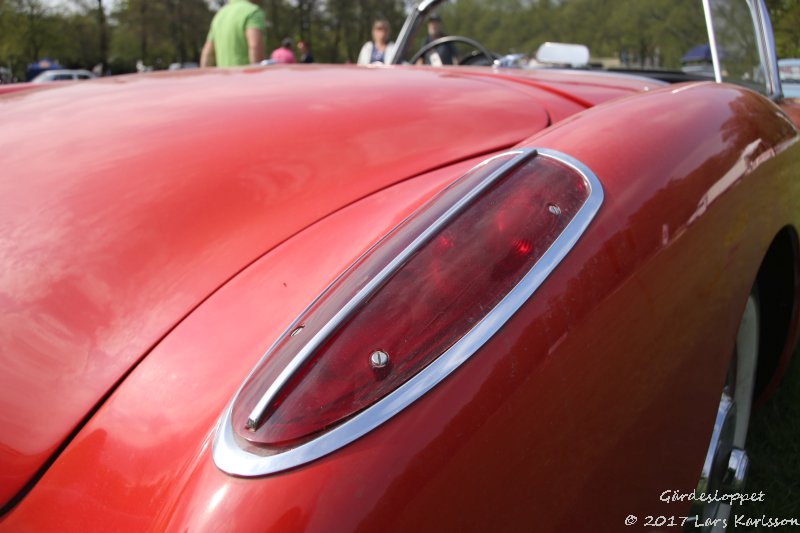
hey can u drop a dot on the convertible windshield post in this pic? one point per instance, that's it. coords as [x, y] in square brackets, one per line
[409, 28]
[742, 45]
[770, 57]
[712, 41]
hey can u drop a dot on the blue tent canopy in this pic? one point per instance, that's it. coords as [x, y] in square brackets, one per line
[698, 53]
[34, 69]
[701, 53]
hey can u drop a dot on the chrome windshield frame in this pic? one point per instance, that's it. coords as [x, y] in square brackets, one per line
[770, 55]
[415, 17]
[762, 26]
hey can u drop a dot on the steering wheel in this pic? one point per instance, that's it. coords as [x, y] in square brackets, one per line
[452, 39]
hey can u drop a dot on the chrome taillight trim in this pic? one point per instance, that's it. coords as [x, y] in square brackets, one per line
[308, 349]
[233, 459]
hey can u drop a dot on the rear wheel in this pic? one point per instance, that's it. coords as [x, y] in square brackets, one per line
[725, 467]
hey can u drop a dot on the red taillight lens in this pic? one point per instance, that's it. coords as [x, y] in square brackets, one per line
[409, 299]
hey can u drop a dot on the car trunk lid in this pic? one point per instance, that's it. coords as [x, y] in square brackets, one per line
[128, 201]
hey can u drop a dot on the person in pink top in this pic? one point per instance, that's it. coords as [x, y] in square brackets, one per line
[284, 54]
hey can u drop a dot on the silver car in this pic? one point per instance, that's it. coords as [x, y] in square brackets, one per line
[789, 70]
[63, 75]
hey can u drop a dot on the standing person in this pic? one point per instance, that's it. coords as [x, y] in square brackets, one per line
[236, 36]
[284, 53]
[379, 49]
[443, 54]
[305, 52]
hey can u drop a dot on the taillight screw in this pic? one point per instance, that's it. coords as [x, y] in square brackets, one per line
[379, 359]
[553, 208]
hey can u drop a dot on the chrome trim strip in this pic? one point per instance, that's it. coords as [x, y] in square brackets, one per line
[231, 458]
[712, 40]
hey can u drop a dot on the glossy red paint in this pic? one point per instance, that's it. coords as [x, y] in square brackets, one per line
[274, 288]
[19, 87]
[792, 108]
[601, 389]
[585, 88]
[139, 211]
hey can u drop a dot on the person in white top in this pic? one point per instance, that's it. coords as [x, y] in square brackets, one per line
[379, 49]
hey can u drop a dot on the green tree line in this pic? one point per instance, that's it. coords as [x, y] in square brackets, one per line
[85, 33]
[117, 34]
[641, 32]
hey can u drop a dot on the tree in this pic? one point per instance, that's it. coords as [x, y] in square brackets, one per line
[785, 15]
[35, 26]
[91, 9]
[158, 33]
[346, 25]
[82, 33]
[640, 32]
[103, 31]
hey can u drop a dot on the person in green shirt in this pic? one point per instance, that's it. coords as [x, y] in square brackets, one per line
[236, 36]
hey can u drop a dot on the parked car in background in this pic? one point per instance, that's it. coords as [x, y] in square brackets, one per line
[63, 75]
[183, 66]
[789, 70]
[396, 298]
[6, 75]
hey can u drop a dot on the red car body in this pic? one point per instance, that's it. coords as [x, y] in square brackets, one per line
[159, 232]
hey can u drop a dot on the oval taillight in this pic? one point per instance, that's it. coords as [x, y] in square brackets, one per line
[410, 311]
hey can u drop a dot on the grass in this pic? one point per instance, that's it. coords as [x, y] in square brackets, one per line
[773, 447]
